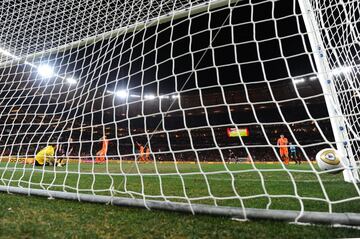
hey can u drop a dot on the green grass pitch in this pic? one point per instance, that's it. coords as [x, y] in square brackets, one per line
[23, 216]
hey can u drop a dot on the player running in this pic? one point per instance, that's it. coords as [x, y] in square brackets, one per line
[141, 150]
[101, 154]
[293, 154]
[282, 142]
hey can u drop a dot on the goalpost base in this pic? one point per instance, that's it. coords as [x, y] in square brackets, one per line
[351, 219]
[351, 176]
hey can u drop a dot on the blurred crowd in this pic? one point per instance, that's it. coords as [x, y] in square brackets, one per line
[205, 144]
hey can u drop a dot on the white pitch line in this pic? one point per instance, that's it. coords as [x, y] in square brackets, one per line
[201, 177]
[252, 180]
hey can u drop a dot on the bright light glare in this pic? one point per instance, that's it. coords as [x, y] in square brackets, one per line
[122, 94]
[313, 78]
[174, 96]
[46, 71]
[150, 97]
[71, 81]
[341, 70]
[299, 80]
[6, 53]
[164, 97]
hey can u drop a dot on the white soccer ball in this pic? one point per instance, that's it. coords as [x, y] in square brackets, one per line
[329, 159]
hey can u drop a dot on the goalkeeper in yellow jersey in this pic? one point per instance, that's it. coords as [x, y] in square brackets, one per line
[46, 156]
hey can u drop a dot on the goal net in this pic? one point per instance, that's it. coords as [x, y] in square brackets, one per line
[179, 105]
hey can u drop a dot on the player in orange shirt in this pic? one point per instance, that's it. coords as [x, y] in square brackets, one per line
[100, 155]
[284, 153]
[141, 149]
[147, 154]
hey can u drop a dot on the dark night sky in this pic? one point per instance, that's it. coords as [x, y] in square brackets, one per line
[169, 54]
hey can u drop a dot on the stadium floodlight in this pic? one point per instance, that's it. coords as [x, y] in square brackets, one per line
[313, 78]
[164, 97]
[174, 96]
[45, 71]
[122, 94]
[299, 80]
[71, 81]
[135, 96]
[149, 97]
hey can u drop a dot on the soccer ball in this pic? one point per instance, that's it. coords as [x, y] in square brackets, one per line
[329, 159]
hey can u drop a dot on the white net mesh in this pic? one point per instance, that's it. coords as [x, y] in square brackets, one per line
[168, 83]
[339, 24]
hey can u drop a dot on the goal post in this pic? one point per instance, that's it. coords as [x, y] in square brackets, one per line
[179, 105]
[233, 212]
[338, 118]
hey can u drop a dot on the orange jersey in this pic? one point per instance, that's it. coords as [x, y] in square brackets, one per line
[282, 142]
[147, 152]
[105, 144]
[141, 148]
[283, 151]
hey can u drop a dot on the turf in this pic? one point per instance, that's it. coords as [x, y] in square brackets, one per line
[260, 186]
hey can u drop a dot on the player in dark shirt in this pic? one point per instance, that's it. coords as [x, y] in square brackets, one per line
[293, 154]
[232, 157]
[64, 151]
